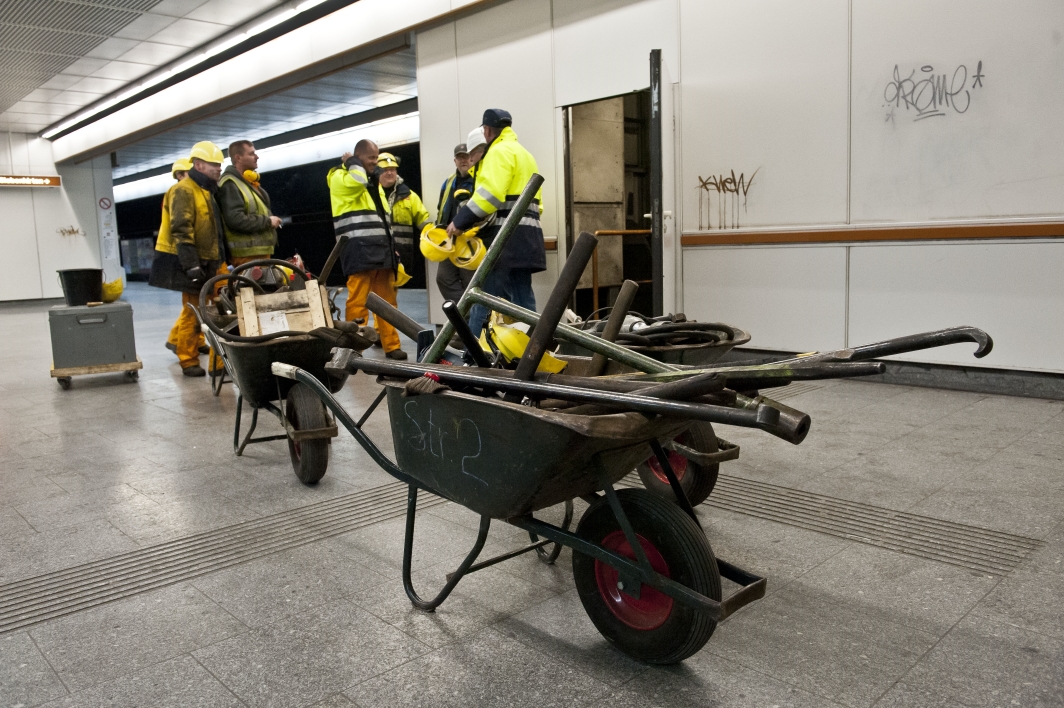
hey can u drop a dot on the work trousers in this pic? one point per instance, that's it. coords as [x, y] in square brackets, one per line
[359, 286]
[452, 280]
[185, 335]
[514, 285]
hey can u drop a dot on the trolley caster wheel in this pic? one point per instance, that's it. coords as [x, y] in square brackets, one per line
[305, 411]
[652, 628]
[64, 382]
[133, 375]
[550, 556]
[697, 480]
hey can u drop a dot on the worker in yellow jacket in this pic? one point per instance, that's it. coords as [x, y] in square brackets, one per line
[369, 260]
[408, 213]
[190, 249]
[500, 177]
[179, 170]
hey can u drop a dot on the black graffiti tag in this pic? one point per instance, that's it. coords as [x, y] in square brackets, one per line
[929, 94]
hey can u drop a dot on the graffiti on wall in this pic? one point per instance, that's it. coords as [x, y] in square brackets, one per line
[925, 93]
[722, 200]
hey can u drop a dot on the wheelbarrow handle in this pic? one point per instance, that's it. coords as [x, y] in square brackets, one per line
[925, 340]
[334, 255]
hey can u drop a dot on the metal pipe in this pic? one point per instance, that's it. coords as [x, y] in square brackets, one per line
[435, 351]
[334, 255]
[614, 322]
[460, 325]
[543, 333]
[390, 314]
[763, 417]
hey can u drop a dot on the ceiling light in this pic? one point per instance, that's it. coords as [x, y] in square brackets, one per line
[183, 66]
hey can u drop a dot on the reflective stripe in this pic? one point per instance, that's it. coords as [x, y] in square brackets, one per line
[404, 240]
[356, 218]
[489, 197]
[361, 233]
[402, 229]
[480, 213]
[358, 173]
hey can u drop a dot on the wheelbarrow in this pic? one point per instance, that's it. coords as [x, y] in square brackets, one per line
[645, 572]
[308, 427]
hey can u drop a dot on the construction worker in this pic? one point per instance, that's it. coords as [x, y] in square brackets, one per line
[189, 249]
[451, 279]
[250, 226]
[408, 213]
[178, 171]
[500, 177]
[369, 260]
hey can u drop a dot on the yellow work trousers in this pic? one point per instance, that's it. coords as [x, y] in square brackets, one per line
[186, 334]
[359, 286]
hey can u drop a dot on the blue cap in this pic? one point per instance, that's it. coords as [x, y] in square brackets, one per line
[497, 118]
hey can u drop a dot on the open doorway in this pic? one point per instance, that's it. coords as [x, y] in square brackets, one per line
[608, 191]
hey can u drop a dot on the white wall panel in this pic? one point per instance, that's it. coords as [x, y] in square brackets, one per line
[790, 299]
[73, 207]
[18, 243]
[765, 89]
[602, 47]
[1012, 290]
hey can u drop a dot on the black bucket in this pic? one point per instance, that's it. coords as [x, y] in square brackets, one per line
[81, 285]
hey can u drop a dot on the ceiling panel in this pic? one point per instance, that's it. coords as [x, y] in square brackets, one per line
[343, 93]
[50, 44]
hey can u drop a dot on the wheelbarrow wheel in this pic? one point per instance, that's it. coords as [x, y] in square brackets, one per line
[697, 480]
[653, 627]
[305, 411]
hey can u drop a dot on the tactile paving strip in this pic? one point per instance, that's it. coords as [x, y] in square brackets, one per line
[62, 592]
[978, 549]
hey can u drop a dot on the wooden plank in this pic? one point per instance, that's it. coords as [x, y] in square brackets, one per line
[251, 315]
[300, 320]
[859, 234]
[324, 294]
[271, 302]
[98, 369]
[317, 307]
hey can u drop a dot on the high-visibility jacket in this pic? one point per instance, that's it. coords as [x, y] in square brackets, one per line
[245, 217]
[501, 175]
[446, 207]
[189, 238]
[408, 216]
[355, 213]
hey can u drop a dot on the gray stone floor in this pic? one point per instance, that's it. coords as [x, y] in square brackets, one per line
[111, 466]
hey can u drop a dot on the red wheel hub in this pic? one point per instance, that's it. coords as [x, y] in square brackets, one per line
[653, 607]
[677, 461]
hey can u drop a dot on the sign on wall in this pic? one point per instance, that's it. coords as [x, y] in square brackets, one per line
[31, 181]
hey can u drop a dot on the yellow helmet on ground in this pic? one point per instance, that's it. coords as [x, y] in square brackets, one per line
[386, 160]
[511, 343]
[401, 277]
[207, 151]
[468, 250]
[435, 244]
[112, 290]
[182, 165]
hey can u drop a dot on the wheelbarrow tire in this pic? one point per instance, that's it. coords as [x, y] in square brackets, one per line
[654, 628]
[697, 480]
[305, 411]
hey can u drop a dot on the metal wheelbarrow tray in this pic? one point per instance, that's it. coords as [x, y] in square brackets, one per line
[643, 567]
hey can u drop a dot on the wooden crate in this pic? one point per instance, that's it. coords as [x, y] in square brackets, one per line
[295, 310]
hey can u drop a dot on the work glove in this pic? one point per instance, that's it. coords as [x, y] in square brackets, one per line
[196, 275]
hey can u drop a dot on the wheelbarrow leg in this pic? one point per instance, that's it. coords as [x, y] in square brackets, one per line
[674, 482]
[237, 444]
[408, 553]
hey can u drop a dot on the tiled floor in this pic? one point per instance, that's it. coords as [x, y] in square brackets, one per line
[111, 466]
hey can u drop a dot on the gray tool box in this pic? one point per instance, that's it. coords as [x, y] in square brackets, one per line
[92, 340]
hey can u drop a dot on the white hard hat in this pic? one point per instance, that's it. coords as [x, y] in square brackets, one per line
[475, 139]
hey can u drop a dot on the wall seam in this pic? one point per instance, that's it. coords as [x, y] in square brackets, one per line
[849, 105]
[37, 242]
[846, 304]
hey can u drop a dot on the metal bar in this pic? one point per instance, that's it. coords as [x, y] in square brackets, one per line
[490, 258]
[372, 407]
[657, 256]
[334, 255]
[505, 556]
[408, 555]
[393, 316]
[473, 348]
[674, 482]
[594, 282]
[614, 322]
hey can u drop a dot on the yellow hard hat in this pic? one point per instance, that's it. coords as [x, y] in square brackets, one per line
[112, 290]
[401, 277]
[468, 250]
[182, 165]
[511, 344]
[207, 151]
[435, 245]
[386, 160]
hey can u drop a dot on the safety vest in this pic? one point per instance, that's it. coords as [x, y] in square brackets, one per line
[241, 244]
[501, 175]
[355, 215]
[409, 215]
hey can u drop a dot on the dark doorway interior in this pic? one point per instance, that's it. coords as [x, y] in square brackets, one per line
[297, 192]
